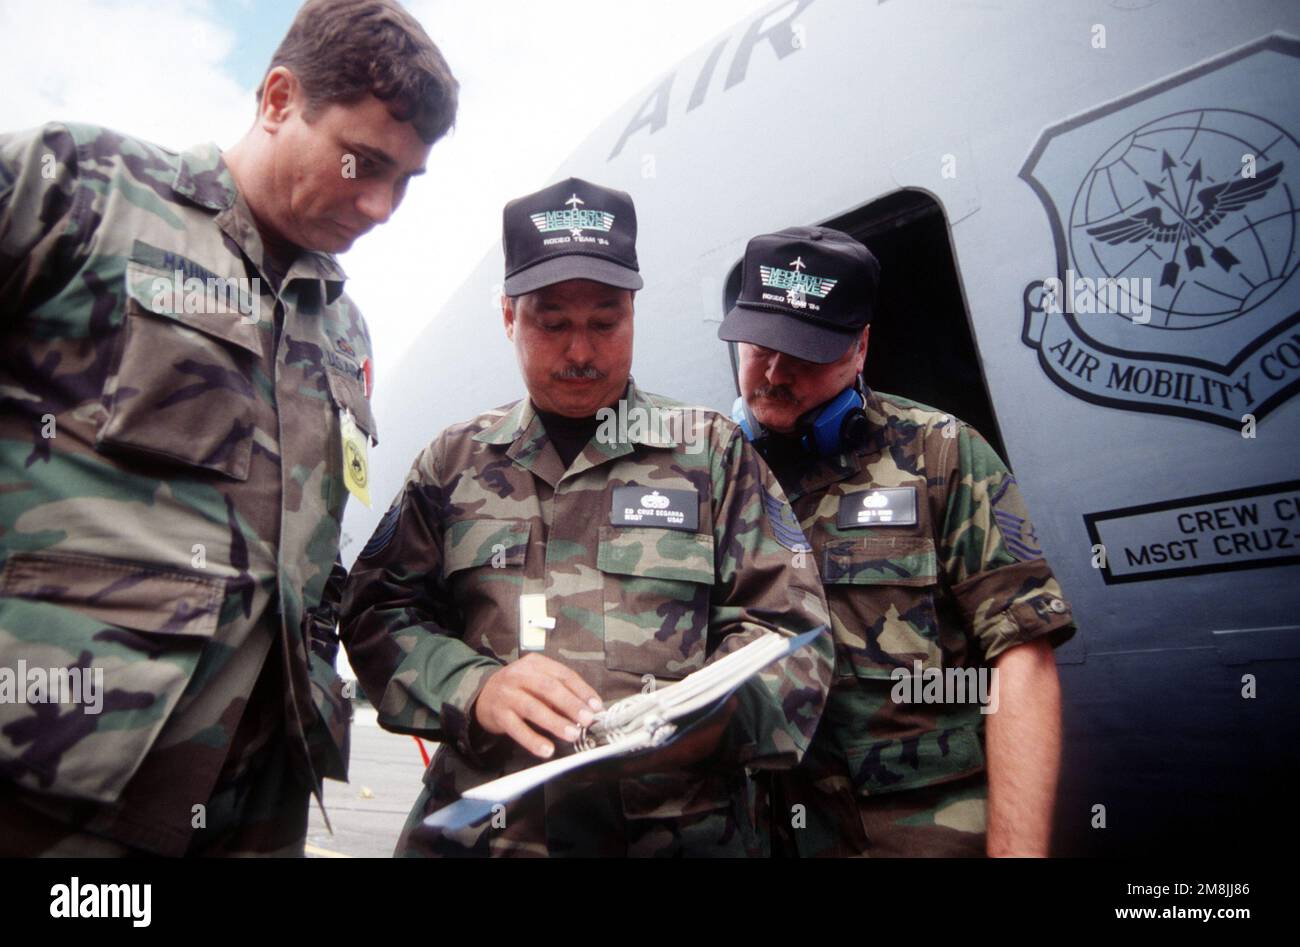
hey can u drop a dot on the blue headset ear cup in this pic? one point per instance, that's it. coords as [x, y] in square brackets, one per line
[835, 419]
[856, 429]
[749, 425]
[838, 425]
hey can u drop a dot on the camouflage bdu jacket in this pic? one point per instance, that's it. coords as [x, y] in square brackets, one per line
[172, 479]
[487, 514]
[948, 585]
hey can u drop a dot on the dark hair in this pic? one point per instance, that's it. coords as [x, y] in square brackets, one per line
[343, 50]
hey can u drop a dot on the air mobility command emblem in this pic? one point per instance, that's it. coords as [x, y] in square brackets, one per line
[1174, 216]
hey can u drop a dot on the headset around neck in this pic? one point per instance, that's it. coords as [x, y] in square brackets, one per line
[832, 428]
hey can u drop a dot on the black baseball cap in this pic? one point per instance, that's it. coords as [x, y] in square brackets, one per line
[570, 230]
[805, 291]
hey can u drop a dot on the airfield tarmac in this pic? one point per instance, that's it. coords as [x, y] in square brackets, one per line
[368, 812]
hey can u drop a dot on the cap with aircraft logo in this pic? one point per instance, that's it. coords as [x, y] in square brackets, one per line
[805, 291]
[570, 230]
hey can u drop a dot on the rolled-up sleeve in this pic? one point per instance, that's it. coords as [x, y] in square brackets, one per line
[1004, 588]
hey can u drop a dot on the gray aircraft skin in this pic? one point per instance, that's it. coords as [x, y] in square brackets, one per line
[982, 151]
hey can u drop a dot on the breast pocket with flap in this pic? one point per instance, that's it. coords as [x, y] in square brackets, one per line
[881, 590]
[483, 564]
[657, 588]
[183, 385]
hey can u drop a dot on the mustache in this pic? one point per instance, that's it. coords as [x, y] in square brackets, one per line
[774, 393]
[575, 372]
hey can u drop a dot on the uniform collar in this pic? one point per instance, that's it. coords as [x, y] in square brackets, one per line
[506, 429]
[653, 429]
[520, 422]
[203, 178]
[522, 430]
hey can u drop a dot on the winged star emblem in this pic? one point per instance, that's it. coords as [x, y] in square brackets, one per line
[1217, 202]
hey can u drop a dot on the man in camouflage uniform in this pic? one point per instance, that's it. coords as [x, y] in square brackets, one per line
[182, 375]
[932, 575]
[545, 559]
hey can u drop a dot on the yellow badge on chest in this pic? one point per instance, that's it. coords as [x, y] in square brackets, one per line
[356, 457]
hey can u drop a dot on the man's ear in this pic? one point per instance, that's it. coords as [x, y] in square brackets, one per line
[861, 358]
[281, 96]
[508, 316]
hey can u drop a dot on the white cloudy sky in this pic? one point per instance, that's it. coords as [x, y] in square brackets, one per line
[185, 71]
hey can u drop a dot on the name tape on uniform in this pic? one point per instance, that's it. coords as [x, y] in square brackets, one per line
[664, 509]
[885, 506]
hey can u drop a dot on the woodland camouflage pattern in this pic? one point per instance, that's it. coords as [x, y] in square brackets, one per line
[488, 513]
[179, 529]
[955, 590]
